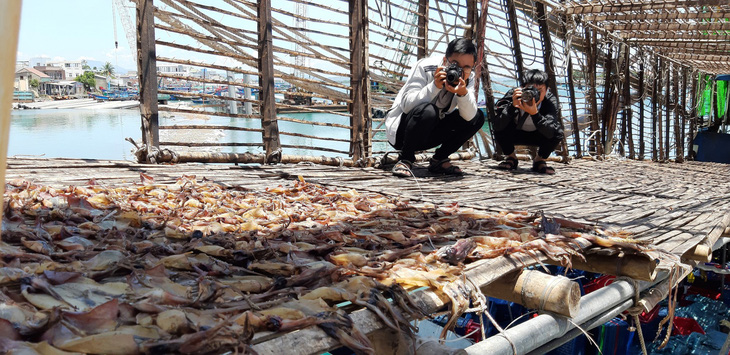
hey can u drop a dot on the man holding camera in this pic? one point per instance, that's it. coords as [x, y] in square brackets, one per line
[436, 106]
[528, 115]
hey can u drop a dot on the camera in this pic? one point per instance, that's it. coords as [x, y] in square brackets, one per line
[453, 73]
[530, 93]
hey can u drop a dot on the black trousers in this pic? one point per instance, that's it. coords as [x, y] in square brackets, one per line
[422, 129]
[510, 136]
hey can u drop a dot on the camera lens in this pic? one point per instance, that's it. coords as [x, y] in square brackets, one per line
[453, 73]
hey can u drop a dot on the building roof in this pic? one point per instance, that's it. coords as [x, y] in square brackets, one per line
[47, 68]
[32, 71]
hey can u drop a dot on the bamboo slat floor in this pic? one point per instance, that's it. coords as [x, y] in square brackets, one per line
[677, 206]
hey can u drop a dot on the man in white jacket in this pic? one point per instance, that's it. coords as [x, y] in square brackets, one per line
[436, 106]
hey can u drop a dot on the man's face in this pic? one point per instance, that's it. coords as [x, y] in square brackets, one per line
[465, 61]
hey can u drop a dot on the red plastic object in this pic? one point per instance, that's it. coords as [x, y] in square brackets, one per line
[597, 283]
[646, 317]
[711, 294]
[472, 326]
[686, 326]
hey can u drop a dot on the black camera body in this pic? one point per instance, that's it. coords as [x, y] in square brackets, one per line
[530, 93]
[453, 73]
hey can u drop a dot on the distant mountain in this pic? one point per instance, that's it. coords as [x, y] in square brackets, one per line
[99, 64]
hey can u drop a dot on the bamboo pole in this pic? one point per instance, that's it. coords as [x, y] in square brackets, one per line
[627, 114]
[9, 30]
[537, 290]
[547, 56]
[482, 74]
[359, 79]
[693, 117]
[147, 69]
[637, 267]
[514, 30]
[642, 143]
[272, 146]
[607, 98]
[654, 109]
[591, 58]
[571, 89]
[667, 104]
[678, 144]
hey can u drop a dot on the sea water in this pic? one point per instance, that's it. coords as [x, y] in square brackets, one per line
[100, 134]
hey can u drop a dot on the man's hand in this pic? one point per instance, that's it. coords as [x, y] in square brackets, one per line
[459, 89]
[530, 108]
[439, 78]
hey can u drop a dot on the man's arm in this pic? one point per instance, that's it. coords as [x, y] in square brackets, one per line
[504, 112]
[418, 88]
[467, 103]
[546, 119]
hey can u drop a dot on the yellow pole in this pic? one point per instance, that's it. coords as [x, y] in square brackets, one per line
[9, 28]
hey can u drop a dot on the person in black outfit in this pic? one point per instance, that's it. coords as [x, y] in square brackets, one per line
[436, 107]
[528, 121]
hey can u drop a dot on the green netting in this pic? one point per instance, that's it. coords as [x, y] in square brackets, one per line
[705, 104]
[721, 98]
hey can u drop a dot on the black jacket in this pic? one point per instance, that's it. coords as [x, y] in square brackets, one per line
[546, 119]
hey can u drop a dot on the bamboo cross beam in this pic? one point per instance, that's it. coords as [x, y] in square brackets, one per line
[604, 7]
[669, 35]
[642, 26]
[669, 15]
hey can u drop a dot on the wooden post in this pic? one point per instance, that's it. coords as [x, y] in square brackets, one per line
[591, 44]
[482, 74]
[627, 112]
[693, 117]
[359, 80]
[472, 17]
[515, 35]
[422, 29]
[642, 144]
[667, 114]
[571, 93]
[654, 105]
[573, 109]
[678, 144]
[547, 56]
[607, 98]
[147, 71]
[269, 123]
[683, 107]
[10, 28]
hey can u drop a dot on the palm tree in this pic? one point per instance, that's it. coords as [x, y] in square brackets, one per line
[108, 69]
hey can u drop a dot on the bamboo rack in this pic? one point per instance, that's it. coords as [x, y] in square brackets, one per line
[625, 76]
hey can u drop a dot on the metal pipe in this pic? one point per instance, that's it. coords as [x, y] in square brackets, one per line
[601, 319]
[542, 329]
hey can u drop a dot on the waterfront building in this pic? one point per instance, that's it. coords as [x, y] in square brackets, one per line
[24, 76]
[55, 73]
[72, 68]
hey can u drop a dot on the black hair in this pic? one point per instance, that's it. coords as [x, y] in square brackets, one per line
[536, 77]
[463, 46]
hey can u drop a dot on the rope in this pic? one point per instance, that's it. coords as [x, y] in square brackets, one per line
[634, 312]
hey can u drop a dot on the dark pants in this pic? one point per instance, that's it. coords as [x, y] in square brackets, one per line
[422, 129]
[510, 135]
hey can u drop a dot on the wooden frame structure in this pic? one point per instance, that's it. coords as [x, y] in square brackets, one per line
[616, 67]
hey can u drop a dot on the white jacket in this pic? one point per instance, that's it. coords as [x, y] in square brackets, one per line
[419, 88]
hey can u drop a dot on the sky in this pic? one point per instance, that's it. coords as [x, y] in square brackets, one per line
[73, 30]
